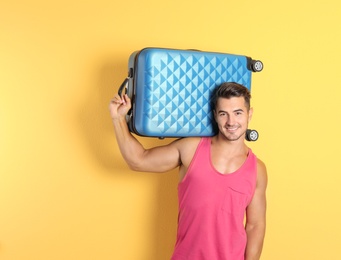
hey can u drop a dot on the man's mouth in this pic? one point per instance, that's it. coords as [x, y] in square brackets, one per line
[232, 128]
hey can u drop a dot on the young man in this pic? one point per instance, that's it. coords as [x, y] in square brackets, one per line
[221, 180]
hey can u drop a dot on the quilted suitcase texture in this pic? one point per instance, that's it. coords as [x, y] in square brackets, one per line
[171, 89]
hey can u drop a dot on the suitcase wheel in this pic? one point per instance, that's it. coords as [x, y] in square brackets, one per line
[251, 135]
[257, 66]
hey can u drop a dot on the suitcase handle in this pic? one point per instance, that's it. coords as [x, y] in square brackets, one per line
[123, 86]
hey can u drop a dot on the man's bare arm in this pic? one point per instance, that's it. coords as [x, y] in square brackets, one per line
[158, 159]
[256, 216]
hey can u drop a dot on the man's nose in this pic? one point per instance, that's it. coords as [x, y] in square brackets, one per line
[230, 120]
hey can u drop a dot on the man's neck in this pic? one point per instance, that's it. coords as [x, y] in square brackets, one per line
[230, 147]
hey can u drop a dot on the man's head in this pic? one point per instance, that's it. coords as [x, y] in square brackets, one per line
[229, 90]
[232, 110]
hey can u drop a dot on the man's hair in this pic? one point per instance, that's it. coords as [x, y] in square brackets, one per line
[229, 90]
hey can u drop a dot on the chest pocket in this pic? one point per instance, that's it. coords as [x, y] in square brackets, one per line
[234, 202]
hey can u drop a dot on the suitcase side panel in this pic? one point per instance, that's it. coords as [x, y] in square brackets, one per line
[173, 90]
[131, 90]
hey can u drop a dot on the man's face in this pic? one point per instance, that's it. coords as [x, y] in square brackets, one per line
[232, 117]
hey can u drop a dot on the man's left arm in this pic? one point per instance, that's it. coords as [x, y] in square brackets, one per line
[256, 216]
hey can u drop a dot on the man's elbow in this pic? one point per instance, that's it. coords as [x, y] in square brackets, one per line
[134, 163]
[258, 227]
[135, 166]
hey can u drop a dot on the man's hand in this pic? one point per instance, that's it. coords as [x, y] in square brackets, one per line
[119, 106]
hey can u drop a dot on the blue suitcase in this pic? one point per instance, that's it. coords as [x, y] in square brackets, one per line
[171, 89]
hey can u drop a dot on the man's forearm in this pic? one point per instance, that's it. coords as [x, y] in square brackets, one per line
[255, 238]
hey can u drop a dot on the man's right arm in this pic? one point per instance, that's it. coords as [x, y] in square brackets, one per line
[158, 159]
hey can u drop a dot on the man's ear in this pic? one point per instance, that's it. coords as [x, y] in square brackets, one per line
[250, 114]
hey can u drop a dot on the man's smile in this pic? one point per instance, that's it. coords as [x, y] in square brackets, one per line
[232, 128]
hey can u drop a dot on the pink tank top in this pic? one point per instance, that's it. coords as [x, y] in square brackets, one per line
[212, 208]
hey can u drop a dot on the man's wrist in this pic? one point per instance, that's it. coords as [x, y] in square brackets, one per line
[118, 119]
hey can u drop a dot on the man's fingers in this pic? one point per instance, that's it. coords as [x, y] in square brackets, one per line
[126, 99]
[117, 100]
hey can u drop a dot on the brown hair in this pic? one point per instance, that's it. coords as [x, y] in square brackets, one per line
[229, 90]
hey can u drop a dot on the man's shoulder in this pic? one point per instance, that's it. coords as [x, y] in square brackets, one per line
[187, 147]
[262, 175]
[261, 165]
[188, 142]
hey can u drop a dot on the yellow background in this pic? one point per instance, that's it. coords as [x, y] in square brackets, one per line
[65, 191]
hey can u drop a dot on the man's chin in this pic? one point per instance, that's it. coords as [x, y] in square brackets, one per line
[234, 137]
